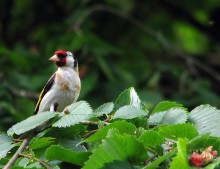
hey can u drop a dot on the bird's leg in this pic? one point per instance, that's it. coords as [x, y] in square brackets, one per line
[53, 106]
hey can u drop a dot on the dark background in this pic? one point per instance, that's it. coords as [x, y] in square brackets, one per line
[166, 49]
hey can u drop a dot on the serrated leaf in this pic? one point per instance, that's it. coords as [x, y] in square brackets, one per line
[30, 123]
[39, 143]
[122, 126]
[159, 160]
[128, 97]
[116, 147]
[104, 109]
[156, 118]
[204, 141]
[166, 105]
[78, 112]
[128, 112]
[180, 161]
[151, 139]
[206, 119]
[171, 116]
[178, 131]
[56, 152]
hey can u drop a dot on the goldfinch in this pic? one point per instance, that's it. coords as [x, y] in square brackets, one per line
[64, 85]
[61, 90]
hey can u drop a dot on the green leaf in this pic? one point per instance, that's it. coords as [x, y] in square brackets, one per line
[122, 126]
[65, 133]
[56, 152]
[4, 138]
[180, 161]
[30, 123]
[23, 162]
[206, 119]
[151, 139]
[39, 143]
[104, 109]
[171, 116]
[178, 131]
[78, 112]
[213, 164]
[166, 105]
[116, 147]
[5, 147]
[159, 160]
[204, 141]
[128, 97]
[128, 112]
[72, 144]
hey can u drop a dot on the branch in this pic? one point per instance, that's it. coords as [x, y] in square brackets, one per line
[23, 93]
[36, 159]
[20, 149]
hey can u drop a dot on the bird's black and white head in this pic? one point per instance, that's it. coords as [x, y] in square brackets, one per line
[64, 58]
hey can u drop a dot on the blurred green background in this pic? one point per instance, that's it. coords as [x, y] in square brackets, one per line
[166, 49]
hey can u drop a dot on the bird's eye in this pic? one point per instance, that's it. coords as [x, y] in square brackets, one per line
[61, 55]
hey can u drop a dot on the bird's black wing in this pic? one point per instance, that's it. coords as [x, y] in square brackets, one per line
[46, 88]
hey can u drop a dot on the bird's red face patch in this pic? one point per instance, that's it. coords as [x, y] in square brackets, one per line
[61, 54]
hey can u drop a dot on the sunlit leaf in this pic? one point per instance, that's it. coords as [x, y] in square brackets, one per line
[128, 112]
[128, 97]
[170, 116]
[30, 123]
[78, 112]
[206, 119]
[104, 109]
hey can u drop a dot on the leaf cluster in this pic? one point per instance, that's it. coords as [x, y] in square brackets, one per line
[118, 134]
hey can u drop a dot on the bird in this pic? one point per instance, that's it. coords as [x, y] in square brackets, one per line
[61, 90]
[63, 87]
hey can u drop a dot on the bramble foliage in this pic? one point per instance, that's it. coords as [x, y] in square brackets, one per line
[119, 134]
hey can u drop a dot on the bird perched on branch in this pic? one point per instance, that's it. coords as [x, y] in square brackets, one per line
[61, 90]
[64, 85]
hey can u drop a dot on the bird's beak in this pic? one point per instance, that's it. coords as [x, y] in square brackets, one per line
[54, 58]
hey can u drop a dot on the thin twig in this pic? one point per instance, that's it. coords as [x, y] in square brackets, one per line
[36, 159]
[23, 93]
[90, 132]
